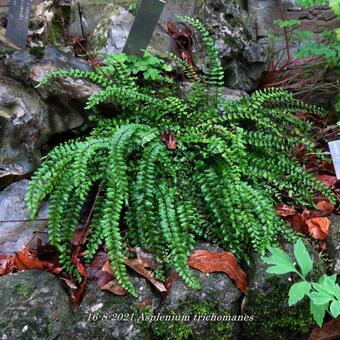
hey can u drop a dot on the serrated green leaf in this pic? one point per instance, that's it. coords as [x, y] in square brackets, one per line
[281, 261]
[318, 312]
[320, 298]
[302, 257]
[329, 285]
[297, 291]
[281, 269]
[335, 308]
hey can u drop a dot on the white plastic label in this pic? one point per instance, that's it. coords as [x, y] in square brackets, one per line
[334, 148]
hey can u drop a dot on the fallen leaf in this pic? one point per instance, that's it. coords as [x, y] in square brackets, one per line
[170, 140]
[325, 206]
[329, 331]
[147, 258]
[108, 268]
[78, 295]
[329, 181]
[298, 222]
[24, 260]
[318, 227]
[114, 287]
[144, 303]
[79, 265]
[170, 280]
[209, 262]
[69, 283]
[137, 266]
[102, 277]
[283, 210]
[99, 260]
[6, 264]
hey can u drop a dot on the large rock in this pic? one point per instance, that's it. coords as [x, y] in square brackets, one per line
[13, 234]
[26, 122]
[103, 315]
[33, 305]
[229, 23]
[267, 300]
[334, 242]
[234, 32]
[30, 69]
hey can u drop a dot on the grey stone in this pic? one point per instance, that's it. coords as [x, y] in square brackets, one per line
[228, 22]
[218, 295]
[13, 235]
[33, 305]
[334, 242]
[113, 29]
[26, 123]
[103, 315]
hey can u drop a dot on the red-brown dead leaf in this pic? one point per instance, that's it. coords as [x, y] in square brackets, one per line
[325, 206]
[329, 331]
[70, 284]
[79, 265]
[114, 287]
[298, 222]
[24, 259]
[104, 278]
[170, 140]
[107, 268]
[210, 261]
[99, 260]
[170, 280]
[318, 227]
[7, 264]
[144, 303]
[329, 181]
[78, 295]
[283, 210]
[137, 266]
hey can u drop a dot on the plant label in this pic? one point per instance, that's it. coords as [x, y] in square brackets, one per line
[334, 148]
[145, 22]
[17, 24]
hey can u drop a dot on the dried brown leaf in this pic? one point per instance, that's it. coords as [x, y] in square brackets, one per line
[318, 227]
[210, 261]
[329, 331]
[283, 210]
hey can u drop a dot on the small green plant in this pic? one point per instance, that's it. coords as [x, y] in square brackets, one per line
[308, 71]
[176, 166]
[149, 66]
[324, 295]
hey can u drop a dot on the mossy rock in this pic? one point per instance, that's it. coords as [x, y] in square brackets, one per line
[33, 305]
[190, 321]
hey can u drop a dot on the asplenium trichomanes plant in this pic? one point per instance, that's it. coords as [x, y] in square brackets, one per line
[231, 164]
[324, 295]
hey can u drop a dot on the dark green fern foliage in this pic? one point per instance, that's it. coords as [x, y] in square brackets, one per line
[232, 162]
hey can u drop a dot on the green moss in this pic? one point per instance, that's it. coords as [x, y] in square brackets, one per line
[273, 316]
[187, 324]
[20, 289]
[54, 32]
[37, 51]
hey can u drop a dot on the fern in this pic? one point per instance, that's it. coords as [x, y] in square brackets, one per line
[221, 182]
